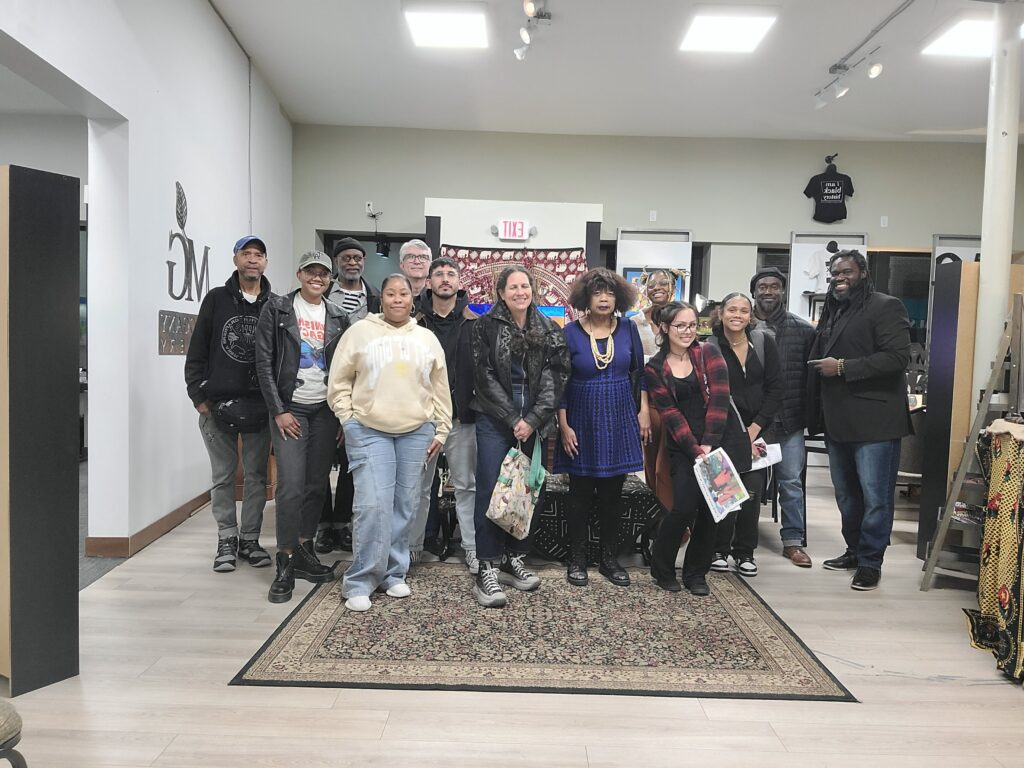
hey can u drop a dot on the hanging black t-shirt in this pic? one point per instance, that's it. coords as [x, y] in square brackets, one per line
[829, 191]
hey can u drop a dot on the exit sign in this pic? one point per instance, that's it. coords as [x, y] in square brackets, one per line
[513, 229]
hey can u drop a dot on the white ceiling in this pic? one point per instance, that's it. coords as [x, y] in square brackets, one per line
[613, 67]
[20, 97]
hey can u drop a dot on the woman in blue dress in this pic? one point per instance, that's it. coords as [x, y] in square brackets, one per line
[599, 424]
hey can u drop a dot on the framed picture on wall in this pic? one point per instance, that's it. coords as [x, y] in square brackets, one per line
[817, 305]
[635, 276]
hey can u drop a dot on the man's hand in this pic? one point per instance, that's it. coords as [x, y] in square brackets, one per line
[827, 366]
[288, 426]
[204, 407]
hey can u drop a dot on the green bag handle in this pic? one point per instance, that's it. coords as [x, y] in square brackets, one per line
[535, 478]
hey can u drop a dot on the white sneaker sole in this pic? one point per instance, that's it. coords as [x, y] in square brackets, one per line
[489, 601]
[399, 590]
[358, 604]
[523, 585]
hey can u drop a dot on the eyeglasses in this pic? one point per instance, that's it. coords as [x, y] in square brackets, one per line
[351, 257]
[415, 257]
[683, 327]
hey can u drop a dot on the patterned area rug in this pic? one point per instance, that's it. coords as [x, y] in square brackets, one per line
[560, 639]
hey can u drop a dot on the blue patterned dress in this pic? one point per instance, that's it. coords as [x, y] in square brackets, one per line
[599, 405]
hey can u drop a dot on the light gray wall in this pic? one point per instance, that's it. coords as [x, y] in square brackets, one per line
[724, 190]
[53, 143]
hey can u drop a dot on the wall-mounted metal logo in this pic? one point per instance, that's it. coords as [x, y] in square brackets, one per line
[196, 276]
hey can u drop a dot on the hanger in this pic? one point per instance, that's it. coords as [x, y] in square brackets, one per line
[830, 166]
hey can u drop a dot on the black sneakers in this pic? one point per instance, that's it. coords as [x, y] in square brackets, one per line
[251, 551]
[224, 560]
[326, 540]
[307, 567]
[486, 588]
[698, 586]
[284, 581]
[866, 579]
[513, 573]
[845, 562]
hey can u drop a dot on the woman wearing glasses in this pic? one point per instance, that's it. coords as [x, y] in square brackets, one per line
[688, 383]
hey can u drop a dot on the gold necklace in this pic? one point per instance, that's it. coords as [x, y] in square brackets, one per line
[603, 361]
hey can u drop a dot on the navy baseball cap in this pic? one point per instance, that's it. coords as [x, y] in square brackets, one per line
[244, 241]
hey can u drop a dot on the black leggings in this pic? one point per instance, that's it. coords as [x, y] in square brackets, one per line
[689, 510]
[608, 504]
[737, 533]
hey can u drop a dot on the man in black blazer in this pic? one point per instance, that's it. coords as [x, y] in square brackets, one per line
[858, 370]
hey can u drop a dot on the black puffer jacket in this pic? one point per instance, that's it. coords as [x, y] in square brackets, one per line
[277, 348]
[454, 331]
[793, 336]
[546, 365]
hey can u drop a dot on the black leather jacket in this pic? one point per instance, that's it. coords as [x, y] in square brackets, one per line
[277, 348]
[546, 365]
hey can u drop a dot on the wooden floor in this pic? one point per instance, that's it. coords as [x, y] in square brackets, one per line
[162, 634]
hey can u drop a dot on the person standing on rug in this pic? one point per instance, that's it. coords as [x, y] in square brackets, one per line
[688, 383]
[445, 312]
[295, 341]
[659, 288]
[858, 365]
[793, 336]
[220, 369]
[352, 293]
[755, 385]
[599, 427]
[520, 369]
[388, 386]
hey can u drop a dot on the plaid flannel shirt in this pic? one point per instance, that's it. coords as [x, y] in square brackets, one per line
[713, 373]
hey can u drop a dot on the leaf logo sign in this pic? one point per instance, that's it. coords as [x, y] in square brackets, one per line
[196, 276]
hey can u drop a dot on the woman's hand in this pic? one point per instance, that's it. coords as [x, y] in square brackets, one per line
[705, 450]
[569, 442]
[432, 450]
[753, 431]
[644, 417]
[522, 431]
[288, 426]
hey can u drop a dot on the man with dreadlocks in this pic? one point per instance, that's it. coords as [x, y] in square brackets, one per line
[858, 361]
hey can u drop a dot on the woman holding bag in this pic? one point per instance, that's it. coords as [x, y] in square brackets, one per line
[520, 368]
[688, 383]
[755, 381]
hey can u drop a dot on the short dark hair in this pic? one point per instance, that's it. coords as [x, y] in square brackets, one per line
[395, 276]
[442, 261]
[597, 279]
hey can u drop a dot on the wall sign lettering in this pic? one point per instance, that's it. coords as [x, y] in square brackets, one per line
[196, 276]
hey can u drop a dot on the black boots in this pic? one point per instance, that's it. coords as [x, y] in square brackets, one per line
[284, 580]
[576, 572]
[610, 567]
[307, 566]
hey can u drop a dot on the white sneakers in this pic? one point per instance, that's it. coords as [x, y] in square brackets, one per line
[401, 589]
[472, 563]
[358, 603]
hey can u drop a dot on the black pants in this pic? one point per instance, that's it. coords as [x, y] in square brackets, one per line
[338, 513]
[689, 510]
[737, 533]
[608, 505]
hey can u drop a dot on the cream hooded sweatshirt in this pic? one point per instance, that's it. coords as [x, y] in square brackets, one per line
[390, 379]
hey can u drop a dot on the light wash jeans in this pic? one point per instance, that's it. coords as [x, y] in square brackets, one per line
[223, 449]
[791, 489]
[386, 470]
[460, 448]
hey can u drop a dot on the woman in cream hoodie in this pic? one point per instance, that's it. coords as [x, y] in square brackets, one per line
[388, 387]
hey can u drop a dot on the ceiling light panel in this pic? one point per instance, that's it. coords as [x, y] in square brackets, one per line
[451, 25]
[728, 33]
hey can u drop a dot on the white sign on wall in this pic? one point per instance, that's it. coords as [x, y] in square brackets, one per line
[514, 229]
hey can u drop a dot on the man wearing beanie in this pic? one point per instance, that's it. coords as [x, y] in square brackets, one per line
[793, 336]
[357, 299]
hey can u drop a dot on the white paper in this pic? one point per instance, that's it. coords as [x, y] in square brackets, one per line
[720, 483]
[765, 454]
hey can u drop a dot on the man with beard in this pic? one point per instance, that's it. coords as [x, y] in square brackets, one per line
[358, 299]
[444, 309]
[859, 359]
[793, 336]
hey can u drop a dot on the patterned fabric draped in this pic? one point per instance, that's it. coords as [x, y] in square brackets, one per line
[997, 625]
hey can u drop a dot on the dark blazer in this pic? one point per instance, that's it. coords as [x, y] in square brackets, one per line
[277, 348]
[869, 402]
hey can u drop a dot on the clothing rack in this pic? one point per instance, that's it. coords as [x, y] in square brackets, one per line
[966, 477]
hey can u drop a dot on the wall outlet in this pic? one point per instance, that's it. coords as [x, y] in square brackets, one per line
[884, 222]
[369, 208]
[652, 216]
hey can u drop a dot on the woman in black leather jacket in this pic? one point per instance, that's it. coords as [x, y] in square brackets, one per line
[520, 368]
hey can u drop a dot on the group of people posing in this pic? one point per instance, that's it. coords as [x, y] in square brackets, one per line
[383, 382]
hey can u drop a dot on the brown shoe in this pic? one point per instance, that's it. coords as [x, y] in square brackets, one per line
[798, 556]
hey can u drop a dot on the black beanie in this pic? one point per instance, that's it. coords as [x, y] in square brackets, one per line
[347, 243]
[766, 272]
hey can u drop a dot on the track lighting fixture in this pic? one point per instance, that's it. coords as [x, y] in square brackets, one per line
[536, 13]
[530, 8]
[524, 34]
[874, 69]
[520, 53]
[819, 102]
[840, 89]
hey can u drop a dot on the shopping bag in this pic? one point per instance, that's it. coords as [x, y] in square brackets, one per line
[515, 494]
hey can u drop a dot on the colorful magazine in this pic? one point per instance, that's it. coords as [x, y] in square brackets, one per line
[720, 483]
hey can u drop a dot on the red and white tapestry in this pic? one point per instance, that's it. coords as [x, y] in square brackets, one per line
[554, 271]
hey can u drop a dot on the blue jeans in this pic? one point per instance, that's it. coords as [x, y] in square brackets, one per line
[386, 470]
[493, 439]
[864, 477]
[791, 489]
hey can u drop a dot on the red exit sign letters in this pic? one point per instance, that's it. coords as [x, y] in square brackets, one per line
[513, 229]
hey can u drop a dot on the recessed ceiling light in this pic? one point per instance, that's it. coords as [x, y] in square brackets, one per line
[727, 33]
[968, 37]
[448, 26]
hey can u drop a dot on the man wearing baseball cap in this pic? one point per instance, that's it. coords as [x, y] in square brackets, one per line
[220, 374]
[793, 336]
[295, 341]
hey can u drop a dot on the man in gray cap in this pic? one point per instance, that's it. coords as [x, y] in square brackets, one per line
[793, 336]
